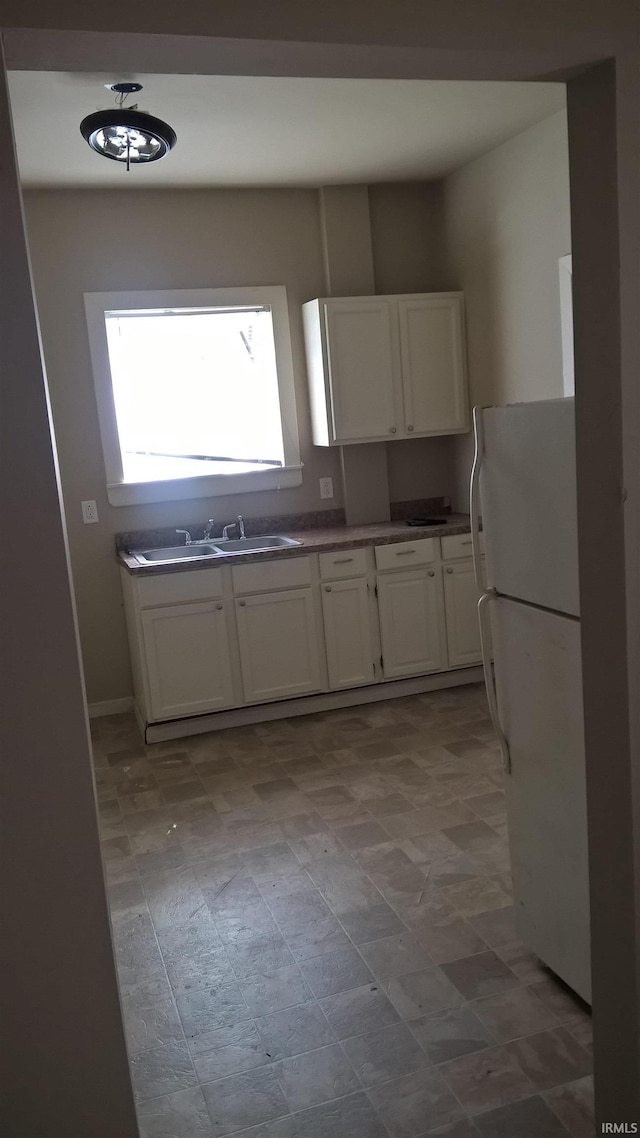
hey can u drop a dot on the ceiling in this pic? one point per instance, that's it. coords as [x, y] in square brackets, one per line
[253, 131]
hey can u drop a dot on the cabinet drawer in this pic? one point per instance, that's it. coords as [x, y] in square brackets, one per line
[176, 588]
[343, 563]
[267, 575]
[459, 545]
[406, 554]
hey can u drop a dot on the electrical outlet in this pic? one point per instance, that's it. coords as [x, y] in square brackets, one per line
[326, 487]
[89, 512]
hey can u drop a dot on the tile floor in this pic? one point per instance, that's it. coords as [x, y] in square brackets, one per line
[314, 932]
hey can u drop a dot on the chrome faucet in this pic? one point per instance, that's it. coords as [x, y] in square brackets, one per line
[207, 530]
[239, 523]
[187, 535]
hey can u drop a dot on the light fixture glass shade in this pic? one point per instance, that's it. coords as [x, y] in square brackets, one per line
[128, 136]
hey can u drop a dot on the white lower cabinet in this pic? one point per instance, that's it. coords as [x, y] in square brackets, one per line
[208, 640]
[278, 645]
[410, 625]
[461, 611]
[347, 631]
[188, 660]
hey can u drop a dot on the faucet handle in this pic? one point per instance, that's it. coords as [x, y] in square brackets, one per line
[240, 521]
[207, 529]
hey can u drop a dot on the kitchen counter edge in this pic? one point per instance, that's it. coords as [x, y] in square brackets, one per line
[313, 541]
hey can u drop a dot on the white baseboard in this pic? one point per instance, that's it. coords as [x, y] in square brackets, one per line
[305, 705]
[111, 707]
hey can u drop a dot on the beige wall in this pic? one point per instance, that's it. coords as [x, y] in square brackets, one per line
[427, 463]
[93, 241]
[507, 223]
[407, 232]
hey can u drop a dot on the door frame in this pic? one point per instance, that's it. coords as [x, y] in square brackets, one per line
[605, 227]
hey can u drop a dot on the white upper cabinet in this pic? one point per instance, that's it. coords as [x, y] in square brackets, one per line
[386, 367]
[362, 353]
[434, 383]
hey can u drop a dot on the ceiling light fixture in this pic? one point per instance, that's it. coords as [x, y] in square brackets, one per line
[126, 134]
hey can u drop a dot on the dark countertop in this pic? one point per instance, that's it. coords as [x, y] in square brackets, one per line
[313, 541]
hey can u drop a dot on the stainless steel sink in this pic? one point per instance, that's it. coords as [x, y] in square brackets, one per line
[175, 553]
[219, 548]
[254, 544]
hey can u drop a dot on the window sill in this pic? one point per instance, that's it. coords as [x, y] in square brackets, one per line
[206, 486]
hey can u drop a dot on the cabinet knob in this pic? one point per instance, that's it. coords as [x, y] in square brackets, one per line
[218, 607]
[327, 588]
[432, 572]
[392, 430]
[242, 603]
[449, 570]
[409, 426]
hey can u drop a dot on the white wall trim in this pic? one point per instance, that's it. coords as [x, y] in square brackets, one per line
[565, 270]
[204, 486]
[307, 705]
[111, 707]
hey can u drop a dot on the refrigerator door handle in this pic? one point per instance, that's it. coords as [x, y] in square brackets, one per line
[474, 495]
[486, 594]
[489, 679]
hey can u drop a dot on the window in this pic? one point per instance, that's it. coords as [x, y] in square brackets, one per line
[195, 392]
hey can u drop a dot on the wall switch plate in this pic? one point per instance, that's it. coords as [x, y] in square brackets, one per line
[89, 512]
[326, 487]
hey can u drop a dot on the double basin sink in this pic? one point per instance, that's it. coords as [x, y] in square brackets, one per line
[221, 548]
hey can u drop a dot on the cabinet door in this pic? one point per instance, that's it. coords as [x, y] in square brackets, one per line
[433, 365]
[187, 654]
[345, 608]
[410, 622]
[278, 645]
[461, 610]
[364, 368]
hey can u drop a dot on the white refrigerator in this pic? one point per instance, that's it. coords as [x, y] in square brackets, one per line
[523, 493]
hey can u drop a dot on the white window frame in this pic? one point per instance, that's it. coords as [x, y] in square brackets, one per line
[122, 493]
